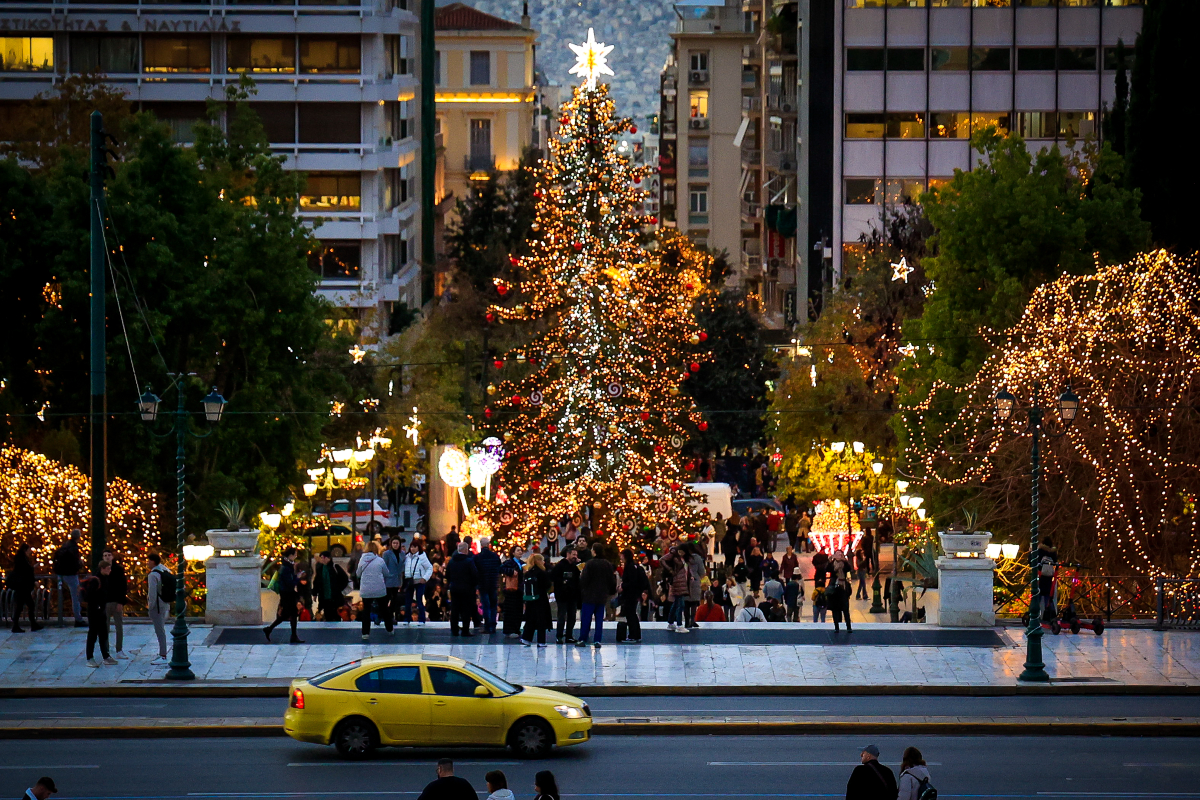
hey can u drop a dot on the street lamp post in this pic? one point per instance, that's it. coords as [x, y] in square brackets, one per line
[1068, 406]
[876, 598]
[214, 405]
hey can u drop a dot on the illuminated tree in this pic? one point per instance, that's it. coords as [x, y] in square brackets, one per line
[591, 409]
[1120, 486]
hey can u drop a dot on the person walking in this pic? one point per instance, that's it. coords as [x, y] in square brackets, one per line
[67, 564]
[635, 589]
[696, 577]
[867, 543]
[462, 579]
[329, 580]
[510, 575]
[861, 565]
[160, 585]
[394, 558]
[708, 611]
[736, 594]
[1047, 561]
[837, 592]
[545, 787]
[447, 785]
[820, 563]
[871, 780]
[804, 533]
[497, 786]
[773, 590]
[487, 564]
[44, 787]
[92, 588]
[914, 775]
[21, 579]
[417, 572]
[116, 596]
[535, 588]
[372, 582]
[287, 581]
[597, 585]
[565, 577]
[793, 595]
[675, 571]
[750, 612]
[356, 554]
[754, 563]
[770, 567]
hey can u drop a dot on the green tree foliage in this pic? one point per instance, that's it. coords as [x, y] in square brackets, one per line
[1015, 221]
[1163, 72]
[1116, 120]
[208, 275]
[58, 123]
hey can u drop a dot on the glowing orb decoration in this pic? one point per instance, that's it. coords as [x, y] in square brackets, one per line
[454, 468]
[478, 469]
[493, 454]
[591, 60]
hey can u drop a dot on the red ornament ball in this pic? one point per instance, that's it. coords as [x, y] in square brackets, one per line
[578, 246]
[658, 448]
[645, 415]
[514, 260]
[633, 128]
[516, 399]
[691, 465]
[487, 412]
[564, 120]
[535, 485]
[703, 336]
[552, 428]
[691, 286]
[694, 366]
[497, 363]
[537, 193]
[501, 289]
[653, 220]
[490, 317]
[674, 487]
[703, 426]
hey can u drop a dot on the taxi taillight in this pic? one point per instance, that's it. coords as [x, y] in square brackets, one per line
[297, 699]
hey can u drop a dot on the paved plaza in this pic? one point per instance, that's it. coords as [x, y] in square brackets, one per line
[54, 658]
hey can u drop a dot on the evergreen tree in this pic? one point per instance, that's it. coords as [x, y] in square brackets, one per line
[591, 409]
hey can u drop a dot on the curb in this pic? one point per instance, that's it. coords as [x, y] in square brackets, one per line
[1142, 729]
[279, 690]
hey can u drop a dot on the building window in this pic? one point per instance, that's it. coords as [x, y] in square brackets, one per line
[437, 67]
[1110, 59]
[949, 125]
[400, 120]
[865, 59]
[1034, 59]
[481, 68]
[1080, 59]
[904, 190]
[698, 158]
[399, 188]
[1036, 124]
[27, 53]
[1000, 120]
[181, 118]
[893, 125]
[330, 123]
[106, 54]
[267, 54]
[698, 200]
[861, 191]
[330, 54]
[950, 59]
[991, 59]
[176, 54]
[1074, 124]
[332, 191]
[481, 145]
[699, 60]
[336, 261]
[698, 103]
[906, 59]
[278, 121]
[398, 55]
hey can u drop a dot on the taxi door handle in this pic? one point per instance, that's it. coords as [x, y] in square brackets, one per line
[439, 702]
[372, 701]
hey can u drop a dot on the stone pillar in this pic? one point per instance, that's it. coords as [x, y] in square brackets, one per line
[964, 594]
[233, 576]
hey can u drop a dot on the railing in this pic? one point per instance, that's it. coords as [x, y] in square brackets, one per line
[1109, 596]
[749, 209]
[751, 104]
[1178, 604]
[41, 601]
[479, 163]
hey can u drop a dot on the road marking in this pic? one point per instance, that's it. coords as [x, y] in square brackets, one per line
[424, 764]
[796, 763]
[724, 712]
[1131, 764]
[1118, 794]
[55, 766]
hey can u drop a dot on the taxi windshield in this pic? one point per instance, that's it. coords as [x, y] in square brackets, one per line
[495, 680]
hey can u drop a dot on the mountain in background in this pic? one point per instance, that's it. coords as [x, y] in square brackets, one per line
[640, 30]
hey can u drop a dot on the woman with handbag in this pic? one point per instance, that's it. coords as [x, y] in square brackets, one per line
[535, 589]
[510, 575]
[837, 592]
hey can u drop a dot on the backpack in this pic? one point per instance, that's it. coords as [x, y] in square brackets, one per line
[530, 587]
[340, 579]
[166, 586]
[925, 791]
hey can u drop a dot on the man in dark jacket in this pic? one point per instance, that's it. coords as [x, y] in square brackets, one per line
[870, 779]
[487, 564]
[565, 575]
[42, 790]
[597, 583]
[289, 595]
[67, 564]
[448, 786]
[462, 578]
[329, 581]
[634, 586]
[116, 595]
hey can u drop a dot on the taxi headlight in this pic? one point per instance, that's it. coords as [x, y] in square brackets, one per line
[570, 712]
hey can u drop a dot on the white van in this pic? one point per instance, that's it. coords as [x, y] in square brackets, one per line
[716, 497]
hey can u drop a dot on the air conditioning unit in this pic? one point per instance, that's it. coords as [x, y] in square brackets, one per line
[787, 165]
[698, 76]
[789, 107]
[698, 123]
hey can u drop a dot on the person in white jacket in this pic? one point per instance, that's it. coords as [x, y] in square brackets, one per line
[417, 570]
[372, 580]
[157, 609]
[497, 786]
[913, 773]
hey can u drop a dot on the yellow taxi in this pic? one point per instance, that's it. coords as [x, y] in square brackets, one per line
[425, 700]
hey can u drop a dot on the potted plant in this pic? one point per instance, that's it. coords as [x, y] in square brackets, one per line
[966, 540]
[236, 535]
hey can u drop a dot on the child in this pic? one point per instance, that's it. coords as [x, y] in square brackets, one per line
[793, 596]
[818, 598]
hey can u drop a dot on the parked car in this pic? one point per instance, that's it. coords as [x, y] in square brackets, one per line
[340, 513]
[430, 700]
[763, 505]
[337, 539]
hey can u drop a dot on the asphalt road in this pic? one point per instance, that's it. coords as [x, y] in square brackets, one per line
[816, 706]
[608, 767]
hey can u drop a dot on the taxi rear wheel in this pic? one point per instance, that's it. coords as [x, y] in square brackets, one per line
[355, 737]
[337, 551]
[531, 738]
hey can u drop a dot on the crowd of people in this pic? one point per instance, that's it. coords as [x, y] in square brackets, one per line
[729, 573]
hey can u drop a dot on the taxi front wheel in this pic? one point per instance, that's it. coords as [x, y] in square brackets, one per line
[355, 737]
[531, 738]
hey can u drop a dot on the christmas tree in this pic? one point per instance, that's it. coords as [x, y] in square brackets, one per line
[591, 410]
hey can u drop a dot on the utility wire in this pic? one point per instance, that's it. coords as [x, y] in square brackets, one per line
[120, 311]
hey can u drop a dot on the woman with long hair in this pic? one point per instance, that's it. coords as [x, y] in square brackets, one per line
[544, 786]
[510, 574]
[535, 590]
[914, 775]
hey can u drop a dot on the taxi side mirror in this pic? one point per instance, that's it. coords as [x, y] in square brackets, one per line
[482, 691]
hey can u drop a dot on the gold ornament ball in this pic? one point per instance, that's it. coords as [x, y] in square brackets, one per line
[557, 359]
[595, 455]
[520, 357]
[597, 504]
[491, 389]
[673, 390]
[694, 338]
[520, 309]
[508, 436]
[612, 429]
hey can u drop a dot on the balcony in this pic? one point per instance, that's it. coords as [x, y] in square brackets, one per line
[751, 157]
[751, 264]
[751, 210]
[713, 19]
[784, 103]
[479, 163]
[751, 55]
[698, 124]
[752, 104]
[781, 160]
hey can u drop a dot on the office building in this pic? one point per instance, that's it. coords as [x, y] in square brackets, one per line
[336, 89]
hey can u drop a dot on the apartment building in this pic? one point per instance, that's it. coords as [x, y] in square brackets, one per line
[486, 96]
[336, 87]
[888, 109]
[700, 119]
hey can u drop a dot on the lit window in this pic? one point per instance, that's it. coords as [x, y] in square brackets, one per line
[991, 119]
[266, 54]
[176, 54]
[332, 191]
[1036, 124]
[894, 124]
[950, 59]
[27, 53]
[861, 191]
[336, 261]
[904, 190]
[330, 54]
[949, 125]
[1073, 124]
[699, 102]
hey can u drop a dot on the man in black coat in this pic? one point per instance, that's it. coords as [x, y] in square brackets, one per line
[487, 563]
[462, 578]
[448, 786]
[67, 564]
[42, 790]
[289, 595]
[565, 575]
[870, 779]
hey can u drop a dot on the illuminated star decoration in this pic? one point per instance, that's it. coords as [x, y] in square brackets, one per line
[411, 429]
[591, 60]
[907, 350]
[357, 354]
[901, 270]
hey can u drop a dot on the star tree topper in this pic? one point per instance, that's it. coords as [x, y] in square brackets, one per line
[591, 60]
[901, 270]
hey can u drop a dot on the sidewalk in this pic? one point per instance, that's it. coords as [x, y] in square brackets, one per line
[53, 658]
